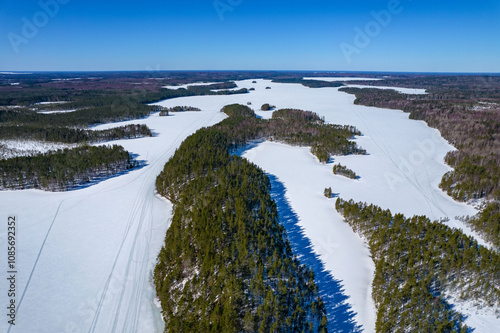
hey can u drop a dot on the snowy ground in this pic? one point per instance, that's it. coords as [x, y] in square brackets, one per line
[48, 103]
[85, 256]
[184, 86]
[411, 91]
[335, 79]
[12, 148]
[57, 111]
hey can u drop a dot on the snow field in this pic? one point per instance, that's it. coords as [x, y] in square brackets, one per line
[85, 256]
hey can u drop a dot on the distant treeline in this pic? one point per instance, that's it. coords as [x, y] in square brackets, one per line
[165, 111]
[183, 108]
[93, 106]
[64, 169]
[310, 83]
[418, 264]
[226, 265]
[476, 135]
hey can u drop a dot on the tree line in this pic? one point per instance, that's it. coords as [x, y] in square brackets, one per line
[73, 135]
[295, 127]
[418, 263]
[339, 169]
[466, 111]
[64, 169]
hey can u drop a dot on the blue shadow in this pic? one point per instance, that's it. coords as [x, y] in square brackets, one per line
[339, 313]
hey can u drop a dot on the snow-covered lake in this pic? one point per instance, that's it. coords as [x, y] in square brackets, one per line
[85, 256]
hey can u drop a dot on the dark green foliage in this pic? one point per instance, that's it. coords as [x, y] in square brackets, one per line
[238, 110]
[227, 265]
[267, 107]
[466, 111]
[328, 192]
[295, 127]
[306, 128]
[487, 223]
[165, 111]
[416, 262]
[183, 108]
[473, 176]
[73, 135]
[339, 169]
[465, 117]
[309, 83]
[94, 106]
[64, 169]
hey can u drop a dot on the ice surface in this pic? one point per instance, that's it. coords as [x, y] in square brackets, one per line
[85, 256]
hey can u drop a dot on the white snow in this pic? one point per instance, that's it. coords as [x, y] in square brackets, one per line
[48, 103]
[89, 252]
[229, 89]
[341, 250]
[409, 91]
[13, 148]
[70, 79]
[57, 111]
[479, 316]
[402, 172]
[184, 86]
[335, 79]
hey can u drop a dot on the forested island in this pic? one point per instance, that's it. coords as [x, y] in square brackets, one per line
[339, 169]
[292, 126]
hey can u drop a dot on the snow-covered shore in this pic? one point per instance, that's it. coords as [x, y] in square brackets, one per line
[85, 256]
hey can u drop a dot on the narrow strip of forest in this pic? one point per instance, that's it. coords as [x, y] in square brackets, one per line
[64, 169]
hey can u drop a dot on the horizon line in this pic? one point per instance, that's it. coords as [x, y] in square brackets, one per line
[4, 72]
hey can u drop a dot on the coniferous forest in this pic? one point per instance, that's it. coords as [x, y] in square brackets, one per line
[339, 169]
[226, 265]
[465, 110]
[64, 169]
[73, 135]
[418, 263]
[295, 127]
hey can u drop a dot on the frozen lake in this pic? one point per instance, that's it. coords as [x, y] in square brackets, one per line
[85, 256]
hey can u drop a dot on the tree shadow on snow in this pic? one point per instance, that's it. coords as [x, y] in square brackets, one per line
[96, 180]
[339, 313]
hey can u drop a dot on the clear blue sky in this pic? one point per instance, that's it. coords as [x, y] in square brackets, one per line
[420, 35]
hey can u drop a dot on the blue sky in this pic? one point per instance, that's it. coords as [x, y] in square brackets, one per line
[412, 36]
